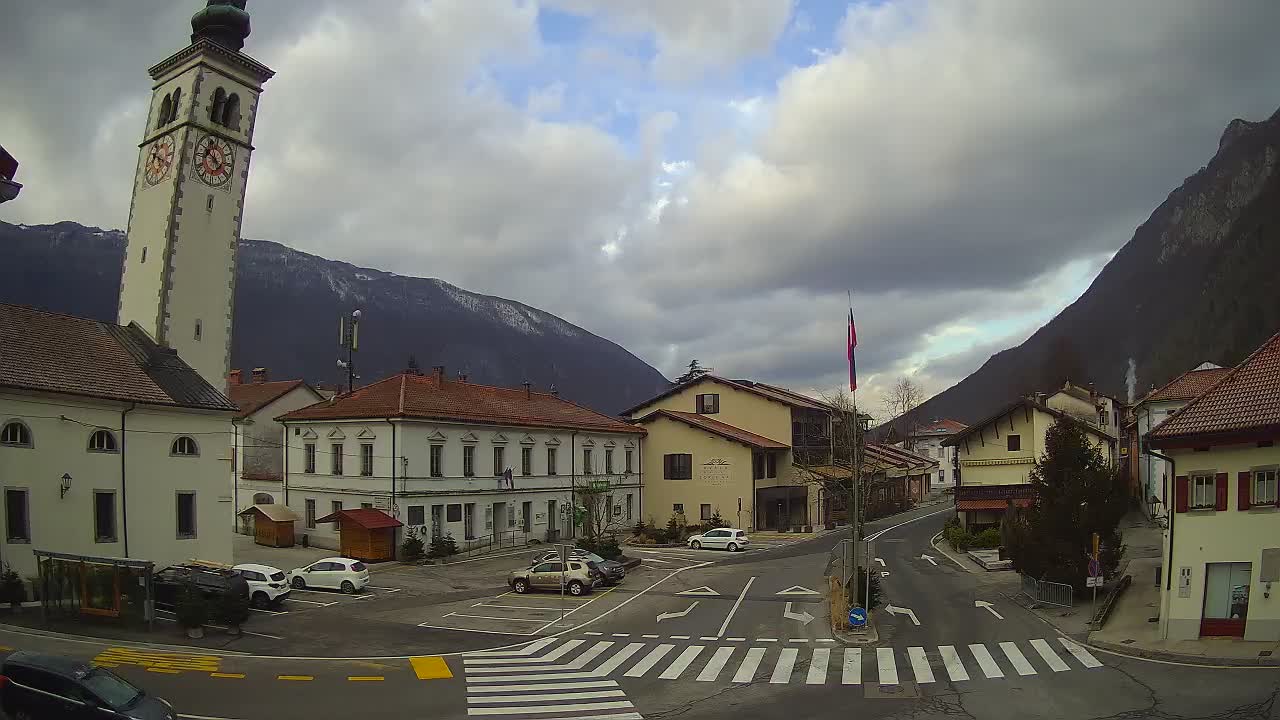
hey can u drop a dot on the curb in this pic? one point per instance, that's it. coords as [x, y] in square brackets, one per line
[1131, 651]
[871, 637]
[630, 563]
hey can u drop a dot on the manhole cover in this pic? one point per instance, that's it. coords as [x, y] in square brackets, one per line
[1127, 642]
[902, 691]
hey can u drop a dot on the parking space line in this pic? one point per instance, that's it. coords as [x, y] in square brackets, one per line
[234, 676]
[515, 607]
[388, 589]
[365, 678]
[311, 602]
[167, 671]
[299, 678]
[486, 632]
[491, 617]
[270, 612]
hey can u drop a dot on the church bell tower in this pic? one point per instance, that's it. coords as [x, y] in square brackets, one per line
[179, 273]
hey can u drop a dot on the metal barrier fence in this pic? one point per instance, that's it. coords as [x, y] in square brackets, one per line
[1049, 593]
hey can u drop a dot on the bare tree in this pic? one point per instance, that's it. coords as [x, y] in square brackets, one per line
[833, 473]
[900, 404]
[596, 513]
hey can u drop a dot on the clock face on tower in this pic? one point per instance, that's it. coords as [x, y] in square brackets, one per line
[214, 160]
[159, 159]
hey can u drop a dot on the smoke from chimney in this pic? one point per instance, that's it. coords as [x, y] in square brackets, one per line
[1131, 381]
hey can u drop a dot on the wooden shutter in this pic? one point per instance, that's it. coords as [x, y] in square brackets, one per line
[1220, 487]
[666, 467]
[1182, 491]
[1244, 480]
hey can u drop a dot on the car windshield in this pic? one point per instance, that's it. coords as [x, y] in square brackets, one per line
[113, 690]
[357, 566]
[277, 576]
[594, 558]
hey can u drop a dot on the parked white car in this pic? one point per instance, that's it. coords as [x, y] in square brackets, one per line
[730, 539]
[267, 585]
[335, 573]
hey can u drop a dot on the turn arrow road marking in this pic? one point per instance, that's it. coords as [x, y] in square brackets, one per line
[804, 617]
[881, 561]
[930, 559]
[797, 590]
[987, 605]
[682, 613]
[892, 610]
[701, 591]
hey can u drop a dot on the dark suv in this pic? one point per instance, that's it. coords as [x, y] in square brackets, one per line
[214, 582]
[34, 686]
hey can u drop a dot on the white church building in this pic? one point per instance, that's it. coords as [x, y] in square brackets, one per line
[115, 438]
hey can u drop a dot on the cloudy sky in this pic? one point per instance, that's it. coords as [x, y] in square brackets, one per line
[690, 179]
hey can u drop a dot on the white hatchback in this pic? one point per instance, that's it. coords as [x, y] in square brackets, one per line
[267, 585]
[730, 539]
[335, 573]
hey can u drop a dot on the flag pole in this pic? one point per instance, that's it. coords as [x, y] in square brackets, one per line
[856, 470]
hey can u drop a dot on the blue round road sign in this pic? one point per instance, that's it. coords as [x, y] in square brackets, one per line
[857, 617]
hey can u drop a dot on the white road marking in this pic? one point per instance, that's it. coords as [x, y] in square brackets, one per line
[646, 664]
[951, 659]
[751, 663]
[799, 640]
[580, 685]
[766, 639]
[716, 664]
[920, 665]
[582, 660]
[592, 633]
[818, 667]
[500, 679]
[679, 637]
[708, 637]
[736, 605]
[574, 707]
[311, 602]
[986, 662]
[622, 635]
[875, 535]
[526, 660]
[657, 560]
[1047, 654]
[1017, 659]
[1080, 653]
[782, 671]
[527, 649]
[681, 662]
[545, 697]
[735, 639]
[887, 666]
[620, 657]
[491, 617]
[651, 637]
[852, 674]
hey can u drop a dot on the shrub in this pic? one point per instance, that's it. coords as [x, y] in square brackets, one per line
[860, 581]
[232, 609]
[192, 609]
[443, 546]
[11, 588]
[989, 538]
[715, 522]
[640, 529]
[411, 548]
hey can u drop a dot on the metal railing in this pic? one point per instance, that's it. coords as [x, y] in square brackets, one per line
[1049, 593]
[493, 541]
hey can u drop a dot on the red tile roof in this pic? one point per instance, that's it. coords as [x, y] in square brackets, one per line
[367, 518]
[724, 430]
[896, 456]
[252, 397]
[991, 504]
[941, 427]
[1245, 400]
[426, 398]
[51, 352]
[1188, 385]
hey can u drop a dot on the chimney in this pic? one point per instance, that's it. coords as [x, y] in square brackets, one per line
[437, 371]
[554, 390]
[413, 368]
[462, 377]
[528, 393]
[259, 375]
[233, 377]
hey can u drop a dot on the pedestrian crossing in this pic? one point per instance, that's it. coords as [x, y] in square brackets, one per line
[573, 667]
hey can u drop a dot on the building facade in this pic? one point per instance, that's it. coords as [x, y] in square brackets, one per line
[927, 442]
[1222, 542]
[486, 465]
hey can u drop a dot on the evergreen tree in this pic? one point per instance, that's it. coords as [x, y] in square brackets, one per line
[695, 371]
[1078, 493]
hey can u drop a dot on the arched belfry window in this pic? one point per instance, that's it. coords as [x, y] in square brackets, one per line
[218, 106]
[231, 112]
[173, 110]
[166, 106]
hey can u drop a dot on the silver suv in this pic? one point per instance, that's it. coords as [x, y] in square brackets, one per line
[579, 578]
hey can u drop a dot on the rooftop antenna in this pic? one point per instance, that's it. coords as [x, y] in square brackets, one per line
[349, 340]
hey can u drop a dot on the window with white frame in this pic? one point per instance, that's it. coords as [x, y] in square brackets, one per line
[335, 458]
[102, 441]
[437, 461]
[366, 459]
[526, 461]
[468, 460]
[184, 446]
[1264, 487]
[15, 433]
[551, 461]
[1204, 492]
[608, 461]
[309, 458]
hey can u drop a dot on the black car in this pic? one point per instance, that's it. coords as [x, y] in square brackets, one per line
[213, 581]
[612, 570]
[34, 686]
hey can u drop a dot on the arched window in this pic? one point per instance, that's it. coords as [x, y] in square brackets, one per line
[102, 441]
[231, 112]
[263, 499]
[15, 433]
[173, 111]
[184, 445]
[216, 108]
[166, 106]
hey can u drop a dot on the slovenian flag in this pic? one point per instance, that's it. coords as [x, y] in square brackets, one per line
[853, 343]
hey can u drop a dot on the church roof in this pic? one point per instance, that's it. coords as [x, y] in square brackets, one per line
[49, 352]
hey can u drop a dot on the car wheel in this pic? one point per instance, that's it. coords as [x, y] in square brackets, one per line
[732, 547]
[347, 587]
[695, 545]
[299, 583]
[261, 601]
[520, 586]
[576, 588]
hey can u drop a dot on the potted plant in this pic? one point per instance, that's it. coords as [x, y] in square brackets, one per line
[233, 611]
[192, 610]
[411, 549]
[11, 588]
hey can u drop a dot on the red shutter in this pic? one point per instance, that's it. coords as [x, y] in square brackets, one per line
[1181, 493]
[1220, 486]
[1242, 488]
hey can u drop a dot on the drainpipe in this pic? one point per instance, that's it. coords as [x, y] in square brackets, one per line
[284, 479]
[394, 546]
[235, 475]
[1168, 570]
[124, 493]
[573, 483]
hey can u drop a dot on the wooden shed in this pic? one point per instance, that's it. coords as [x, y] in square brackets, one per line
[272, 524]
[365, 533]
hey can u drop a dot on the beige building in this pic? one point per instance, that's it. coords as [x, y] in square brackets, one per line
[731, 447]
[995, 457]
[1222, 545]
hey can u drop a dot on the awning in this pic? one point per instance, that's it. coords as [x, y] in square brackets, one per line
[991, 504]
[367, 518]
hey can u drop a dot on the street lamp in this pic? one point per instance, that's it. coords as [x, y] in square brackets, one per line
[66, 485]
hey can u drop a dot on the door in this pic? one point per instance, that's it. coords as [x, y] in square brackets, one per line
[526, 511]
[499, 521]
[715, 539]
[437, 521]
[551, 520]
[546, 575]
[322, 575]
[469, 521]
[1226, 599]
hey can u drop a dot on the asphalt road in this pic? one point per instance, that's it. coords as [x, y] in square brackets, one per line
[719, 641]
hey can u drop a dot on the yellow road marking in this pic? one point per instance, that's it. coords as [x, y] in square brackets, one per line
[430, 667]
[167, 671]
[105, 664]
[227, 675]
[116, 656]
[5, 648]
[365, 677]
[295, 677]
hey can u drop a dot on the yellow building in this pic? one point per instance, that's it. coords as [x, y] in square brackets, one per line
[730, 447]
[1222, 545]
[995, 457]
